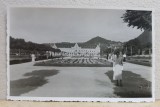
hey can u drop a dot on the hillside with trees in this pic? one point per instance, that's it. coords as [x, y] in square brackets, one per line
[20, 46]
[142, 43]
[141, 20]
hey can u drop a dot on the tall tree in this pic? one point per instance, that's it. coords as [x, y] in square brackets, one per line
[139, 19]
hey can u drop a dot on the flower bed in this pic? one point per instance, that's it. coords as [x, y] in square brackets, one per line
[75, 63]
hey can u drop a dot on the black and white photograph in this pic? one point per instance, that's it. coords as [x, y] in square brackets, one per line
[80, 54]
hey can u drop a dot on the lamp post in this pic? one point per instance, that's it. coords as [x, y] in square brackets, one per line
[131, 50]
[139, 51]
[126, 49]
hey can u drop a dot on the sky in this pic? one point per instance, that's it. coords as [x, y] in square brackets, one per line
[52, 25]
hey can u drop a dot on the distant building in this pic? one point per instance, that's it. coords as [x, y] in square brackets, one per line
[79, 51]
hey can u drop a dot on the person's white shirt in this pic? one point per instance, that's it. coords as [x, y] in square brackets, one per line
[124, 55]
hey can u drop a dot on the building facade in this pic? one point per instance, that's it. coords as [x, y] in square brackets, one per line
[76, 50]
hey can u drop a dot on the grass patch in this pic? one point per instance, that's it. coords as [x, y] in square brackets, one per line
[19, 61]
[140, 62]
[134, 86]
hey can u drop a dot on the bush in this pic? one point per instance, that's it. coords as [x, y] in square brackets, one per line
[140, 63]
[19, 61]
[40, 58]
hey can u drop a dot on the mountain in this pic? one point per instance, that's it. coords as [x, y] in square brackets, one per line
[99, 40]
[142, 42]
[145, 37]
[92, 43]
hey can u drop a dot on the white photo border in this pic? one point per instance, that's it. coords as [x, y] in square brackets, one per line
[80, 99]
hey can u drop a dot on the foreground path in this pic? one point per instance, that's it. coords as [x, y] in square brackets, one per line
[75, 81]
[69, 82]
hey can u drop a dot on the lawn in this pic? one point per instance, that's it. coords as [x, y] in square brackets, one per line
[140, 61]
[133, 85]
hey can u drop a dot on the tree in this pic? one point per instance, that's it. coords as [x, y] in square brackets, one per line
[28, 46]
[139, 19]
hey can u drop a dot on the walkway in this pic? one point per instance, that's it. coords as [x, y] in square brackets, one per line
[75, 81]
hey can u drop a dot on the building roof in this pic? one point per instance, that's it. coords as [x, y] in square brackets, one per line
[70, 45]
[54, 46]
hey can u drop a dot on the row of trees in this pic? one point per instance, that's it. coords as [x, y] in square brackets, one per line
[134, 47]
[17, 45]
[141, 20]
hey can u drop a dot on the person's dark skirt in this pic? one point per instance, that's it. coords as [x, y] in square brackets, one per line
[124, 59]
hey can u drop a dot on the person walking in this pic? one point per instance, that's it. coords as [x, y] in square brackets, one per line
[33, 57]
[113, 58]
[110, 57]
[117, 72]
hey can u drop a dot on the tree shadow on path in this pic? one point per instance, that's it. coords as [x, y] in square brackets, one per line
[133, 85]
[35, 79]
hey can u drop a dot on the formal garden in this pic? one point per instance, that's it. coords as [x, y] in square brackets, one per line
[75, 62]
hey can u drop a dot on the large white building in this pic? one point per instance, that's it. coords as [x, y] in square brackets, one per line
[79, 51]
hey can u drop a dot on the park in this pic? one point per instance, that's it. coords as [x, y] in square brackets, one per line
[62, 56]
[78, 78]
